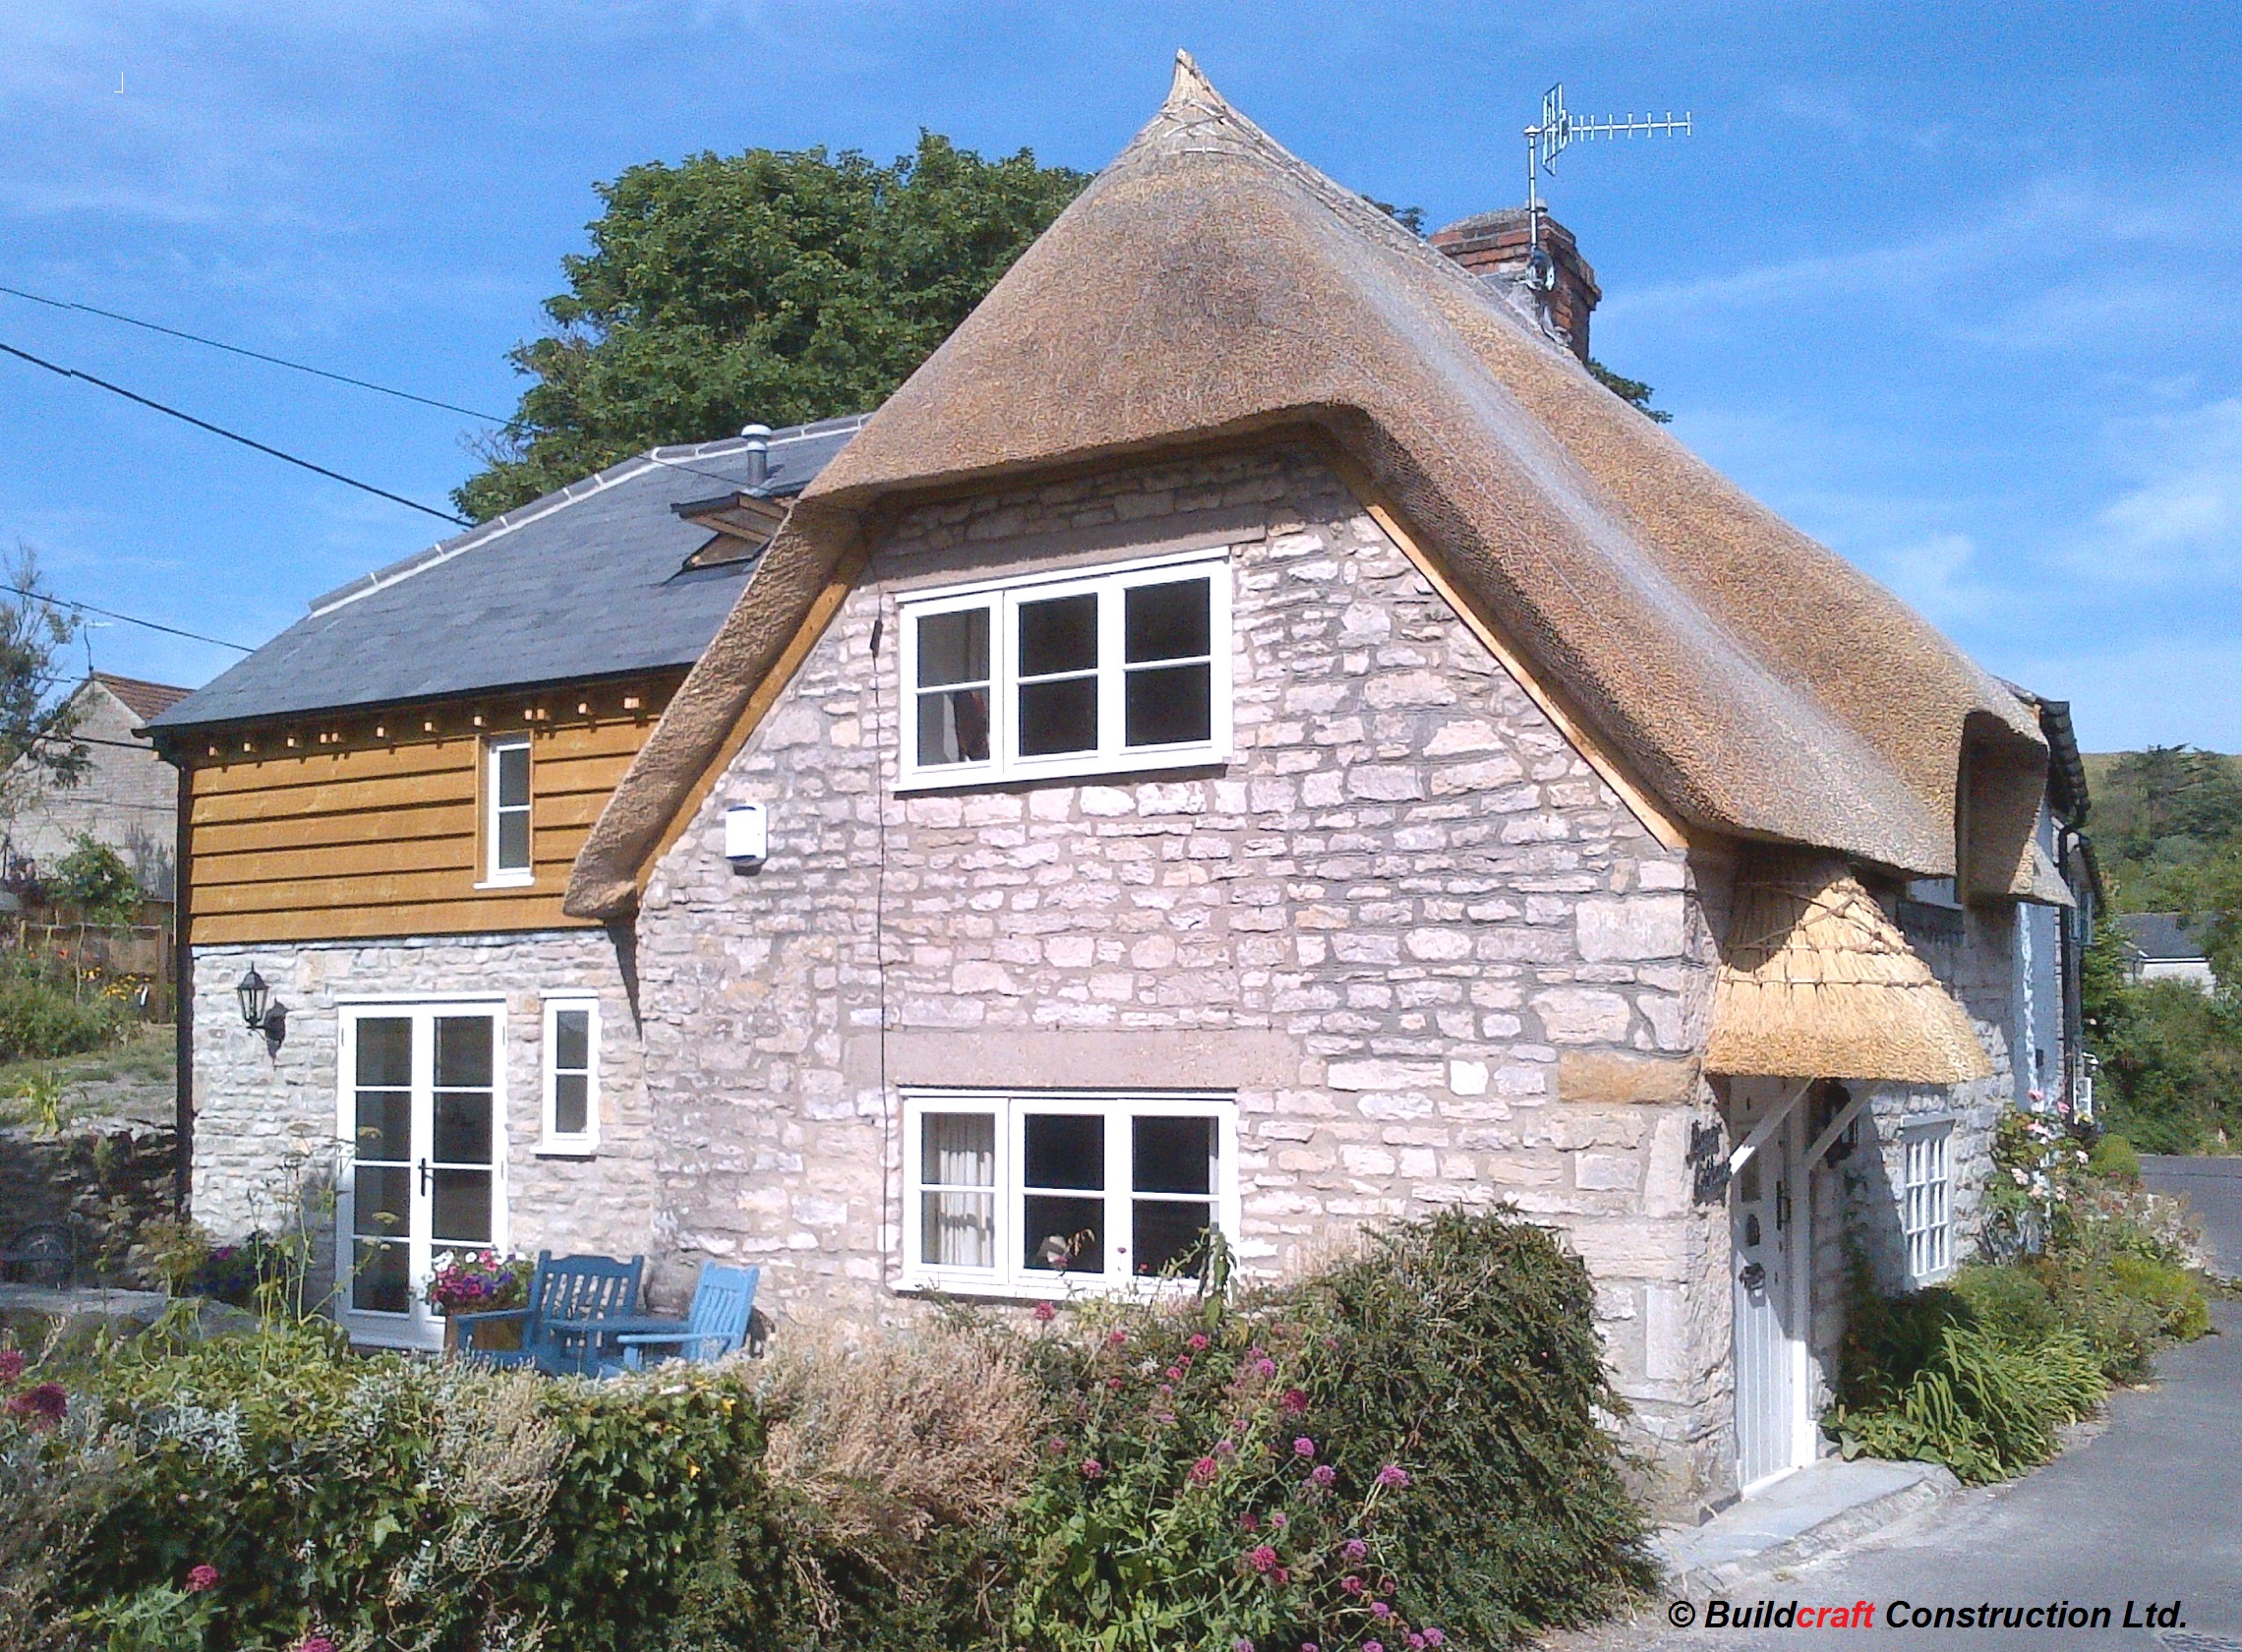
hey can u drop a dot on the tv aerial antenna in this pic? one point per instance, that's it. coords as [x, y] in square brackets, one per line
[1557, 130]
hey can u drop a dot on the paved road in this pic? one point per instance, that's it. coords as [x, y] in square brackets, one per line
[2147, 1509]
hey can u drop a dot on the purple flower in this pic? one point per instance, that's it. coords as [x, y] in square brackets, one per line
[1203, 1471]
[1241, 1644]
[11, 1364]
[1248, 1521]
[1278, 1521]
[1093, 1469]
[1292, 1402]
[47, 1404]
[1226, 1447]
[1310, 1646]
[1373, 1647]
[1352, 1585]
[1116, 1339]
[1434, 1637]
[1417, 1643]
[1056, 1446]
[1303, 1446]
[201, 1578]
[1264, 1368]
[314, 1643]
[1355, 1549]
[1322, 1474]
[1394, 1475]
[1378, 1609]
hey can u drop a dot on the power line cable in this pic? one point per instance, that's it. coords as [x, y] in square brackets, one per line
[255, 355]
[235, 435]
[128, 618]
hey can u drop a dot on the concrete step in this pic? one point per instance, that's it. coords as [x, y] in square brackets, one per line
[1797, 1519]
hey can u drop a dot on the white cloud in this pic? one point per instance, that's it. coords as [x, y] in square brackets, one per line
[2182, 519]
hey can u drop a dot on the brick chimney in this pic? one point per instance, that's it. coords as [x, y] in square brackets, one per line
[1493, 246]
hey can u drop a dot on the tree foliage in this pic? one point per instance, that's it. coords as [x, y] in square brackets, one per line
[778, 286]
[37, 752]
[1633, 392]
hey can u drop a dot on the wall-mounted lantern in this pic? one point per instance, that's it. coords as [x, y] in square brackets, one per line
[259, 1013]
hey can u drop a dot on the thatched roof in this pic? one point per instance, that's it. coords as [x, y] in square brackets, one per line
[1208, 284]
[1816, 983]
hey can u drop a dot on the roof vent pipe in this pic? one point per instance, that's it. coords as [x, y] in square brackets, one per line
[758, 439]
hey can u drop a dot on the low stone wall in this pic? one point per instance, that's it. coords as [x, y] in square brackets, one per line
[104, 1182]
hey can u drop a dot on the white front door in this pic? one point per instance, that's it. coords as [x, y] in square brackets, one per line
[1773, 1431]
[423, 1115]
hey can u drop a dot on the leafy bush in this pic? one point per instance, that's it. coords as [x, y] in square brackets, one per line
[2184, 1314]
[1984, 1407]
[96, 880]
[2114, 1159]
[2013, 1302]
[38, 1020]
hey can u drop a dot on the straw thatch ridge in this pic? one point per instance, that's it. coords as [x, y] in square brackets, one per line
[1816, 983]
[1209, 284]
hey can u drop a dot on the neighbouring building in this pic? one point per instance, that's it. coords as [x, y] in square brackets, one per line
[2169, 946]
[1251, 736]
[127, 797]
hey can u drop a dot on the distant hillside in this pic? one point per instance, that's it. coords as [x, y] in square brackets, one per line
[2157, 817]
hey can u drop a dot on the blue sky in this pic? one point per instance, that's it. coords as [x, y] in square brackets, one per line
[1953, 287]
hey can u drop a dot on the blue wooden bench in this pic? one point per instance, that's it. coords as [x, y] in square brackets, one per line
[716, 1324]
[567, 1295]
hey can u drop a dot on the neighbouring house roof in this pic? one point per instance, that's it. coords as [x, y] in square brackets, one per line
[2166, 938]
[587, 583]
[1207, 285]
[1815, 982]
[144, 699]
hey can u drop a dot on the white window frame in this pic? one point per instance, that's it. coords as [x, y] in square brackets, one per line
[1011, 1108]
[552, 1141]
[1926, 1199]
[1001, 598]
[495, 877]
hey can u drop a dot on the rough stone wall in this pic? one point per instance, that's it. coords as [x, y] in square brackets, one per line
[264, 1118]
[104, 1182]
[1406, 923]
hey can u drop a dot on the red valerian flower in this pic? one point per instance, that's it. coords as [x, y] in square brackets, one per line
[1241, 1644]
[1197, 1343]
[1303, 1446]
[1354, 1549]
[1116, 1339]
[1394, 1475]
[46, 1403]
[1248, 1521]
[1203, 1471]
[1352, 1585]
[1434, 1637]
[1378, 1609]
[1262, 1559]
[1373, 1647]
[1418, 1643]
[1280, 1577]
[314, 1643]
[1093, 1469]
[11, 1364]
[1292, 1402]
[1045, 1313]
[1322, 1474]
[203, 1578]
[1056, 1446]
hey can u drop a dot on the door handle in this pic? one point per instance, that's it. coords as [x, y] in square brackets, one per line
[1782, 1206]
[426, 1176]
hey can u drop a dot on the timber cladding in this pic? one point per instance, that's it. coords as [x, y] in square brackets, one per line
[374, 824]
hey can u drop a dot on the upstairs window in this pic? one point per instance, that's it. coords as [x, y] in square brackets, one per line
[505, 811]
[1926, 1202]
[1069, 674]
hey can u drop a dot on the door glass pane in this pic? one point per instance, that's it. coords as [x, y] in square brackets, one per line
[1064, 1234]
[380, 1280]
[381, 1202]
[953, 648]
[385, 1052]
[461, 1207]
[571, 1103]
[384, 1125]
[1059, 634]
[1066, 1150]
[1057, 717]
[462, 1127]
[463, 1052]
[1171, 1235]
[1171, 705]
[1166, 621]
[1173, 1155]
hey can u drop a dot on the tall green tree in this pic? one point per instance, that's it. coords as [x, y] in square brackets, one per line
[37, 754]
[776, 285]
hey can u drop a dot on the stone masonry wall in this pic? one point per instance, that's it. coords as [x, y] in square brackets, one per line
[1408, 925]
[261, 1115]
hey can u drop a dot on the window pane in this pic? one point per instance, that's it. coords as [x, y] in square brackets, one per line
[462, 1127]
[953, 726]
[571, 1041]
[1064, 1235]
[385, 1052]
[1173, 1155]
[1058, 635]
[1057, 717]
[959, 1229]
[384, 1125]
[1171, 1235]
[514, 841]
[461, 1207]
[463, 1052]
[571, 1103]
[1066, 1150]
[953, 648]
[379, 1283]
[1169, 705]
[1166, 621]
[957, 1150]
[513, 765]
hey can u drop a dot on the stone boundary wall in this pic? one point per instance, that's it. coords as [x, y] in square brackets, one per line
[1436, 957]
[104, 1181]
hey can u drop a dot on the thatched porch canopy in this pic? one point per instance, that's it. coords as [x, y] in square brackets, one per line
[1816, 983]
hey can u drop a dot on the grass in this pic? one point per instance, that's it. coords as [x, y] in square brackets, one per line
[140, 1074]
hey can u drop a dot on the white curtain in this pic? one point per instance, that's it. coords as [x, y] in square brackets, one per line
[958, 1153]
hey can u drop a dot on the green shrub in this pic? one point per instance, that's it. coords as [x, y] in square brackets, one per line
[2114, 1159]
[2011, 1302]
[98, 881]
[1984, 1408]
[2184, 1313]
[38, 1020]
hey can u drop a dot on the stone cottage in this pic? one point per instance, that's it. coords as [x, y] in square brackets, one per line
[127, 797]
[1253, 737]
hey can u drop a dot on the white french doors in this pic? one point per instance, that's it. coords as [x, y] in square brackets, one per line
[1774, 1427]
[422, 1112]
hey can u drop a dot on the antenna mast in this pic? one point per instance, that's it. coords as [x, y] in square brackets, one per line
[1548, 139]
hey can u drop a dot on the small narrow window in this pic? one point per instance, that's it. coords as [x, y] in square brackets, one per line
[1927, 1212]
[571, 1076]
[505, 789]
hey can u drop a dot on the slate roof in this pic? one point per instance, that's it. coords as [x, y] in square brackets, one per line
[588, 582]
[2166, 938]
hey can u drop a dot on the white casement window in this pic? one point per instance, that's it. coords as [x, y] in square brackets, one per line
[505, 811]
[571, 1059]
[1926, 1200]
[1051, 1194]
[1069, 674]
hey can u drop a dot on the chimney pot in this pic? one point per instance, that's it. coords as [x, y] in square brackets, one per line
[1494, 247]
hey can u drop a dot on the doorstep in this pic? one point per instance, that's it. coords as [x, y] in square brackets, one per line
[1799, 1519]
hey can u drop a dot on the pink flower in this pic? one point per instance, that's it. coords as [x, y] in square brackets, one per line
[1394, 1475]
[1355, 1549]
[1292, 1402]
[1264, 1368]
[1056, 1446]
[1226, 1447]
[1248, 1521]
[1378, 1609]
[1093, 1469]
[1241, 1644]
[1434, 1637]
[1373, 1647]
[46, 1404]
[1113, 1382]
[1045, 1313]
[1418, 1643]
[1203, 1471]
[11, 1364]
[1197, 1343]
[1280, 1576]
[1262, 1559]
[1175, 1372]
[1310, 1646]
[1352, 1585]
[1322, 1474]
[1116, 1339]
[1278, 1521]
[314, 1643]
[1303, 1446]
[201, 1578]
